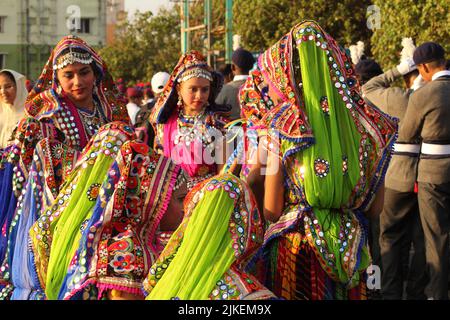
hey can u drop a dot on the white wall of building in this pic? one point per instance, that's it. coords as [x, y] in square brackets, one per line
[47, 21]
[95, 11]
[33, 27]
[10, 11]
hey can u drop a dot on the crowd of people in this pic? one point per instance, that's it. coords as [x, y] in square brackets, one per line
[281, 177]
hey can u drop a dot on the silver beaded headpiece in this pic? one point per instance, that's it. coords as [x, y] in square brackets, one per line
[72, 57]
[195, 73]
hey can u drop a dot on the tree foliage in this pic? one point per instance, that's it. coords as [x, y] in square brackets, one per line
[424, 20]
[263, 22]
[197, 17]
[149, 44]
[152, 43]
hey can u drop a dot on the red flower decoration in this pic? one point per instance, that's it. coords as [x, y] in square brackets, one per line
[132, 182]
[324, 105]
[121, 245]
[123, 263]
[321, 168]
[93, 191]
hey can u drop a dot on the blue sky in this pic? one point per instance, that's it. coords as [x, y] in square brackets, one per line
[144, 5]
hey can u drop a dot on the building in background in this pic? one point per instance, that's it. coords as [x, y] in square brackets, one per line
[29, 29]
[115, 15]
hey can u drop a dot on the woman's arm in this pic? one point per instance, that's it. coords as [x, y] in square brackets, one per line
[274, 188]
[225, 150]
[255, 178]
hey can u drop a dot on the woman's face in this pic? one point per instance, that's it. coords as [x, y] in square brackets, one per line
[8, 89]
[175, 211]
[77, 81]
[195, 94]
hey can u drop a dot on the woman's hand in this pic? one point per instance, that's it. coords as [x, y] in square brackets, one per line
[123, 295]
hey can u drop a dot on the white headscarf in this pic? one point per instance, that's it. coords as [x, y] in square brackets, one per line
[356, 52]
[11, 114]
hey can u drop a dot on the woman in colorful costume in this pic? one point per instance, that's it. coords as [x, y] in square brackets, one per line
[12, 102]
[327, 153]
[206, 255]
[189, 124]
[71, 100]
[103, 235]
[255, 104]
[140, 204]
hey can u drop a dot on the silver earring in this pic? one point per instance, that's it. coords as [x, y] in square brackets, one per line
[180, 102]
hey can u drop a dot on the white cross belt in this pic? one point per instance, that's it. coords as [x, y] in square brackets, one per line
[409, 148]
[435, 149]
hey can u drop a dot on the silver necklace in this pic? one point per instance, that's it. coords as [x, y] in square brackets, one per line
[188, 130]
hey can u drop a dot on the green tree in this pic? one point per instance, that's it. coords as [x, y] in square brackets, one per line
[424, 20]
[149, 44]
[263, 22]
[197, 16]
[152, 43]
[198, 37]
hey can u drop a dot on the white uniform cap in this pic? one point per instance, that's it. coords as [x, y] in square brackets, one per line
[159, 80]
